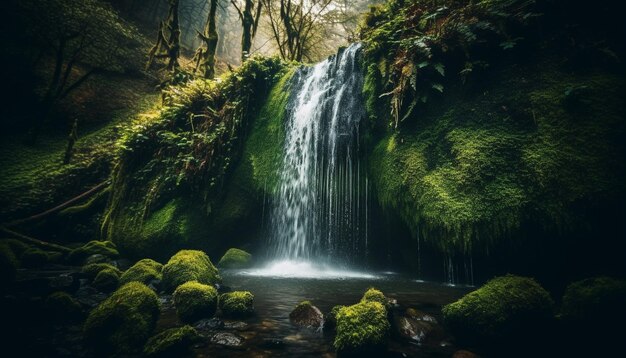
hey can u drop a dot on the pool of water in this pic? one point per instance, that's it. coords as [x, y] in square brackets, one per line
[275, 296]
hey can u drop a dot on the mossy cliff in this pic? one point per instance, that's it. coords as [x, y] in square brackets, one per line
[187, 173]
[488, 116]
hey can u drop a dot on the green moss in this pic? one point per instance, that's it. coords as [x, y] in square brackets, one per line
[106, 248]
[144, 271]
[189, 265]
[596, 302]
[236, 304]
[507, 308]
[123, 322]
[235, 258]
[107, 280]
[63, 308]
[476, 166]
[34, 257]
[361, 328]
[8, 265]
[374, 295]
[173, 342]
[92, 270]
[195, 301]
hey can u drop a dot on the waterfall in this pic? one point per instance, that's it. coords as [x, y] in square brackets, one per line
[319, 213]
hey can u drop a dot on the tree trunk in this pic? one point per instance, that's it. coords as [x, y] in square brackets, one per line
[71, 140]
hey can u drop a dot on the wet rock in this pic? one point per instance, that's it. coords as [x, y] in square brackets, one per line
[273, 343]
[96, 259]
[235, 325]
[418, 327]
[227, 339]
[464, 354]
[65, 282]
[209, 324]
[307, 315]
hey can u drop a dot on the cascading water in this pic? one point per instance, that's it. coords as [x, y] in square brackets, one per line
[319, 214]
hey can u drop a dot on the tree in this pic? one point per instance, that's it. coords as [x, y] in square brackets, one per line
[205, 55]
[167, 45]
[250, 23]
[82, 38]
[295, 25]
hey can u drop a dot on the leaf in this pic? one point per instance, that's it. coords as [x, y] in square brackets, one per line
[438, 87]
[441, 69]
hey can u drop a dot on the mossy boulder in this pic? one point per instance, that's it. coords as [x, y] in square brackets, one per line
[507, 308]
[374, 295]
[105, 248]
[173, 342]
[194, 301]
[145, 271]
[92, 270]
[123, 322]
[235, 258]
[189, 265]
[307, 315]
[63, 308]
[236, 304]
[34, 257]
[107, 280]
[362, 328]
[8, 264]
[595, 301]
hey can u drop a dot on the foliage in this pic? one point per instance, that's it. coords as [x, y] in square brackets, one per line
[144, 271]
[597, 301]
[92, 270]
[171, 342]
[235, 258]
[123, 322]
[34, 257]
[195, 301]
[189, 265]
[331, 317]
[106, 248]
[361, 328]
[107, 280]
[505, 309]
[184, 151]
[236, 304]
[63, 308]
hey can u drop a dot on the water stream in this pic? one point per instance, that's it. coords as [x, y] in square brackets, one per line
[318, 221]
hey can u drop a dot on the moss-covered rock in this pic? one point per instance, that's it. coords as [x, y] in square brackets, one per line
[8, 264]
[307, 315]
[195, 301]
[362, 328]
[106, 248]
[189, 265]
[374, 295]
[145, 271]
[124, 321]
[92, 270]
[34, 257]
[173, 342]
[107, 280]
[236, 304]
[235, 258]
[63, 308]
[506, 308]
[598, 301]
